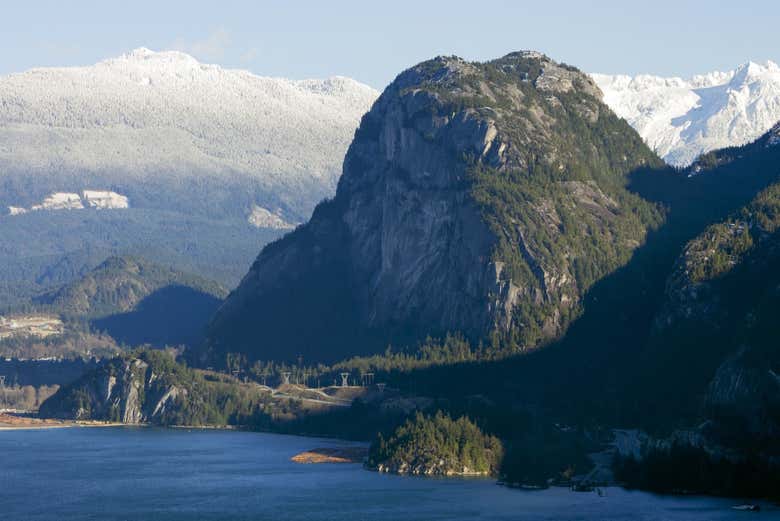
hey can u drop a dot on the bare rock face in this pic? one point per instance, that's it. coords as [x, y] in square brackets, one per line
[123, 390]
[475, 197]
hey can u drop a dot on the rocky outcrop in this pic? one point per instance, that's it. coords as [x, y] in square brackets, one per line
[125, 390]
[437, 468]
[475, 197]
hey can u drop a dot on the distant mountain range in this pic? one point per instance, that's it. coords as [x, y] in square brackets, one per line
[682, 118]
[195, 166]
[159, 126]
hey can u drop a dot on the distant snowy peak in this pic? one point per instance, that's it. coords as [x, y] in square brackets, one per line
[683, 118]
[123, 90]
[165, 116]
[174, 67]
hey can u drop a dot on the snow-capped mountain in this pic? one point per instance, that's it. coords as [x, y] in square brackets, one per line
[199, 165]
[165, 121]
[682, 118]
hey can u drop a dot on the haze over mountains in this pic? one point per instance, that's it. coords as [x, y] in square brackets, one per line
[169, 122]
[196, 166]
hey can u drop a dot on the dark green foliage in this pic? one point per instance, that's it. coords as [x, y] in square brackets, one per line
[117, 285]
[133, 301]
[724, 245]
[41, 251]
[437, 445]
[721, 298]
[681, 469]
[546, 456]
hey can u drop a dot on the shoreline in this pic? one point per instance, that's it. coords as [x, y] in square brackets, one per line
[13, 422]
[62, 425]
[339, 455]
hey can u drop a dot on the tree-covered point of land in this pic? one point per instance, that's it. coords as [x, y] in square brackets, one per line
[437, 445]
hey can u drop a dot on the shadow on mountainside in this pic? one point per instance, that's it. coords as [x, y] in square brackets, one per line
[604, 370]
[172, 315]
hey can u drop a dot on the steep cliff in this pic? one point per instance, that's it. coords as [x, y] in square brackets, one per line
[484, 198]
[129, 389]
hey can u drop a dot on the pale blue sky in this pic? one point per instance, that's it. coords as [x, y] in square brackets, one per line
[372, 41]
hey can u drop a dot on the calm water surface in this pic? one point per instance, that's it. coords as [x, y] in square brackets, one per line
[158, 474]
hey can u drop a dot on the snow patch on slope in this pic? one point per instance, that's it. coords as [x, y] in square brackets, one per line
[98, 199]
[683, 118]
[259, 217]
[104, 199]
[60, 201]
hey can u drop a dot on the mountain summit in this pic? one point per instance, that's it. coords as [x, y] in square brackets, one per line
[683, 118]
[483, 198]
[166, 119]
[199, 165]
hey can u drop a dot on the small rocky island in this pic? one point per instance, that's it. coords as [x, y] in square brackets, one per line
[436, 446]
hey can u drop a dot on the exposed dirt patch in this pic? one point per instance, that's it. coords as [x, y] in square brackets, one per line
[332, 455]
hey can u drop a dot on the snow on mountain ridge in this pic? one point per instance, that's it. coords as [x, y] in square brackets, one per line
[682, 118]
[165, 115]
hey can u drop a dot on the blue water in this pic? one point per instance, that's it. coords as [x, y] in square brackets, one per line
[158, 474]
